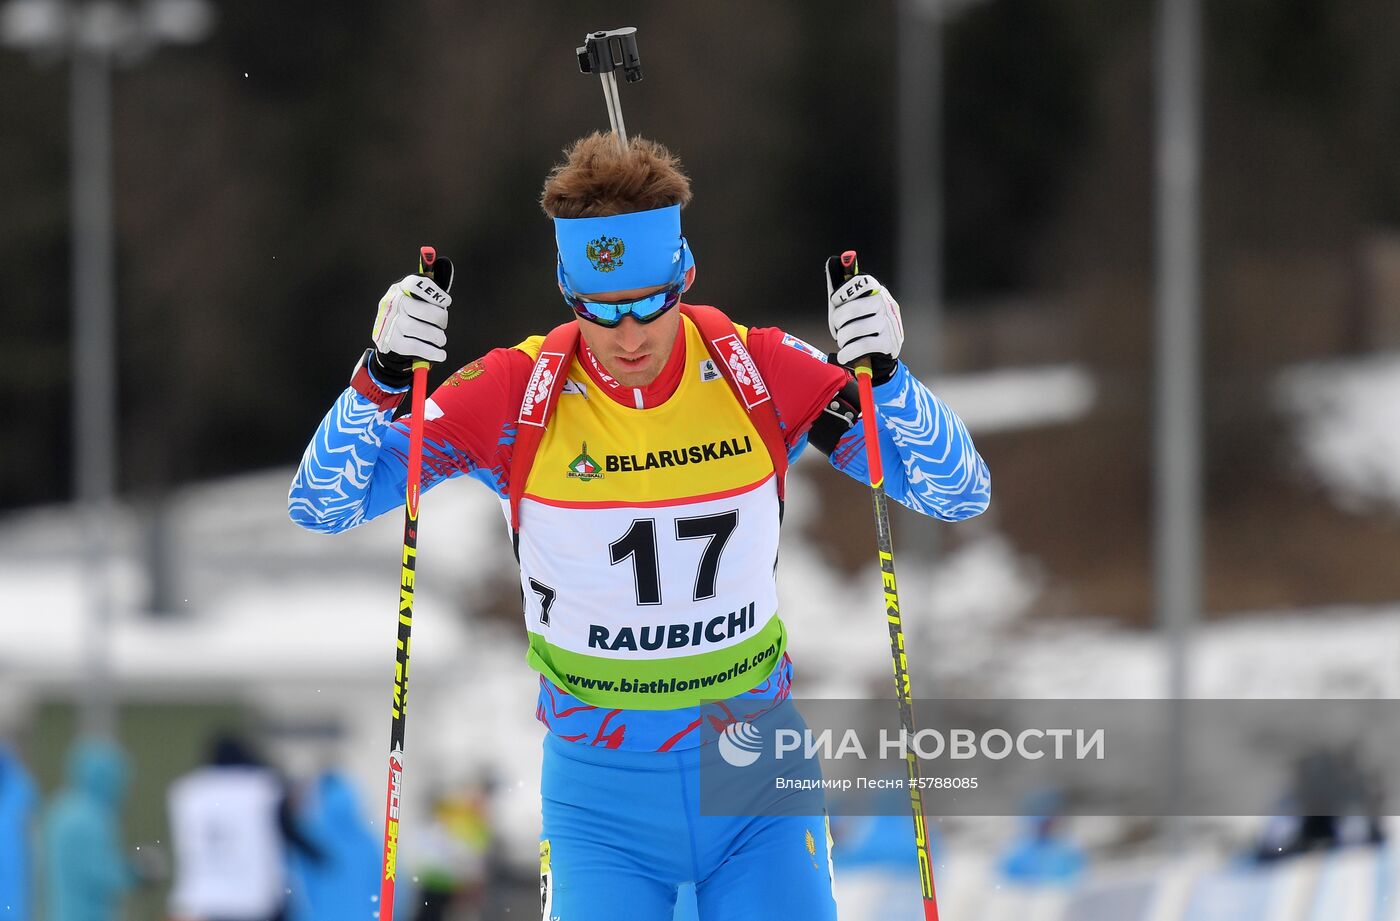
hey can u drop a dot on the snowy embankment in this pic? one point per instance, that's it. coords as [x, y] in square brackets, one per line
[1346, 421]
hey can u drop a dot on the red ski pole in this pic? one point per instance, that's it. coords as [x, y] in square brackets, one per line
[427, 257]
[885, 545]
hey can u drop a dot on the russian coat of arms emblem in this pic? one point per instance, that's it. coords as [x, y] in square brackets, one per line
[605, 253]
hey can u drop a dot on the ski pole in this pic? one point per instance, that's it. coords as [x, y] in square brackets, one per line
[427, 258]
[885, 544]
[602, 53]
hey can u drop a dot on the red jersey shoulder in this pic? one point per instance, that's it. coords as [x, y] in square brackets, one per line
[471, 409]
[798, 376]
[495, 375]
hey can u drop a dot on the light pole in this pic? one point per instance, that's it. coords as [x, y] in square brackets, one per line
[94, 36]
[920, 174]
[1179, 443]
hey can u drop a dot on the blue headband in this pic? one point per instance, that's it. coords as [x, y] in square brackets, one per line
[622, 251]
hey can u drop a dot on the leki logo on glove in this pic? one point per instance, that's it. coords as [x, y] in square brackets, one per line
[426, 293]
[584, 467]
[605, 253]
[854, 288]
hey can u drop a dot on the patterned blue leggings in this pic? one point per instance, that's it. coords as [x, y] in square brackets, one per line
[623, 830]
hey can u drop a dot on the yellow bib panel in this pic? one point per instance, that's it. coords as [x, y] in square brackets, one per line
[647, 544]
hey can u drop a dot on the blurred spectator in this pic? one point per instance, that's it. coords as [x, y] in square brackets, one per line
[451, 856]
[1041, 854]
[85, 873]
[1290, 835]
[17, 799]
[877, 868]
[1332, 802]
[231, 824]
[343, 884]
[882, 841]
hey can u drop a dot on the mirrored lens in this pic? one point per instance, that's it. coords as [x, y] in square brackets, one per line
[643, 310]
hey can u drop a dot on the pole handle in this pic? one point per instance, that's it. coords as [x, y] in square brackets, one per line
[850, 268]
[427, 262]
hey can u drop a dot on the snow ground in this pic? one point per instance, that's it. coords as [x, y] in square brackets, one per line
[1018, 398]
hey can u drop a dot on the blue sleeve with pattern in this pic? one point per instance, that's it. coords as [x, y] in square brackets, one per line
[929, 460]
[356, 467]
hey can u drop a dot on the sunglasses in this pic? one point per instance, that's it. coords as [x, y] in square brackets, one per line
[642, 309]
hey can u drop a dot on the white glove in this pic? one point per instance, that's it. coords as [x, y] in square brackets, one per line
[864, 319]
[412, 320]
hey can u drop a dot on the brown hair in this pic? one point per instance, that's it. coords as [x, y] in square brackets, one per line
[598, 179]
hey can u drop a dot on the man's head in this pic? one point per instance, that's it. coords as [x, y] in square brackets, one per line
[621, 255]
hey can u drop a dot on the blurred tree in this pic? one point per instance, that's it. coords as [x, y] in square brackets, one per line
[273, 181]
[34, 463]
[1018, 108]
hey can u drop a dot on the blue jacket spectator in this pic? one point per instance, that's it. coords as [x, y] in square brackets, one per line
[1041, 856]
[339, 880]
[17, 799]
[85, 872]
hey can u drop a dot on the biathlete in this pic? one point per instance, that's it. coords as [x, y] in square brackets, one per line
[639, 451]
